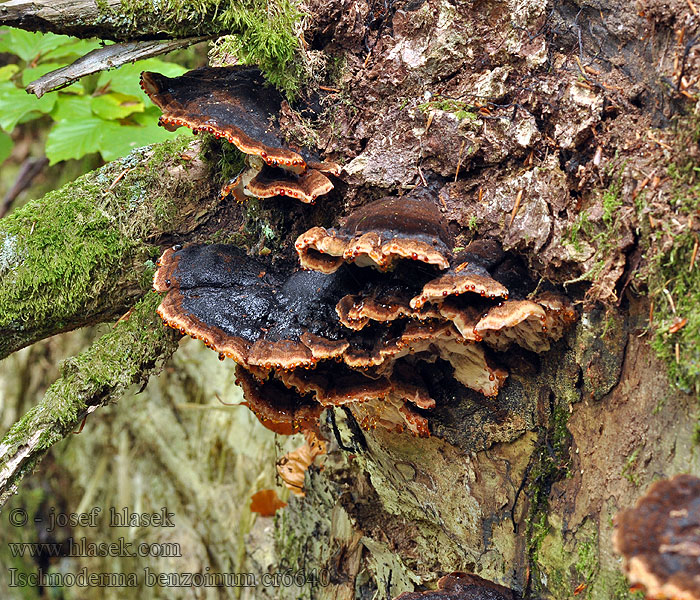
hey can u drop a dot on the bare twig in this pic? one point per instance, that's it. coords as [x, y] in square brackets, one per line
[27, 172]
[101, 59]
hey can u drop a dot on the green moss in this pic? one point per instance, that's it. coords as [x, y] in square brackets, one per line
[671, 250]
[86, 250]
[580, 225]
[629, 466]
[263, 33]
[231, 161]
[461, 109]
[600, 235]
[550, 463]
[587, 562]
[676, 293]
[614, 586]
[59, 253]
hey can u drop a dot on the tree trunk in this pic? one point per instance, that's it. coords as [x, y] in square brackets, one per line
[568, 131]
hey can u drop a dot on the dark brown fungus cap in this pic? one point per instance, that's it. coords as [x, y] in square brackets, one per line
[461, 586]
[471, 366]
[336, 386]
[382, 305]
[379, 234]
[240, 308]
[229, 102]
[461, 279]
[277, 408]
[659, 539]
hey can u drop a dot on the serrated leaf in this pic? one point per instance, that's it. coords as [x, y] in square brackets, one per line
[116, 106]
[27, 45]
[74, 138]
[126, 78]
[7, 72]
[6, 145]
[16, 104]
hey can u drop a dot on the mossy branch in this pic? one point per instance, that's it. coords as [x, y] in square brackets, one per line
[85, 253]
[268, 33]
[124, 356]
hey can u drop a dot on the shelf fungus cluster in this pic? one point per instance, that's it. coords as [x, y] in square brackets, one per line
[659, 539]
[462, 586]
[341, 333]
[233, 103]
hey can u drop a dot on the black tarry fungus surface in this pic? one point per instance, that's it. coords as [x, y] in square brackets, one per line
[231, 102]
[344, 334]
[380, 234]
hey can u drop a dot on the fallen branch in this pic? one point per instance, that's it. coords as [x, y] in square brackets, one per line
[126, 355]
[102, 59]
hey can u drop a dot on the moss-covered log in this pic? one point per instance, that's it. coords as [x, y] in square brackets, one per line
[116, 19]
[266, 33]
[547, 127]
[85, 253]
[122, 357]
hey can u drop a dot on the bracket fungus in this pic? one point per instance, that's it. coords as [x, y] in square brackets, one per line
[337, 333]
[379, 234]
[233, 103]
[461, 586]
[659, 539]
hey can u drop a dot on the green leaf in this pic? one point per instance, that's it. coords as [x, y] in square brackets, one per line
[7, 72]
[118, 141]
[74, 138]
[71, 108]
[72, 49]
[126, 78]
[6, 145]
[116, 106]
[16, 104]
[27, 45]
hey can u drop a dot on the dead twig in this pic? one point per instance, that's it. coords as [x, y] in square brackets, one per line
[459, 159]
[518, 198]
[107, 57]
